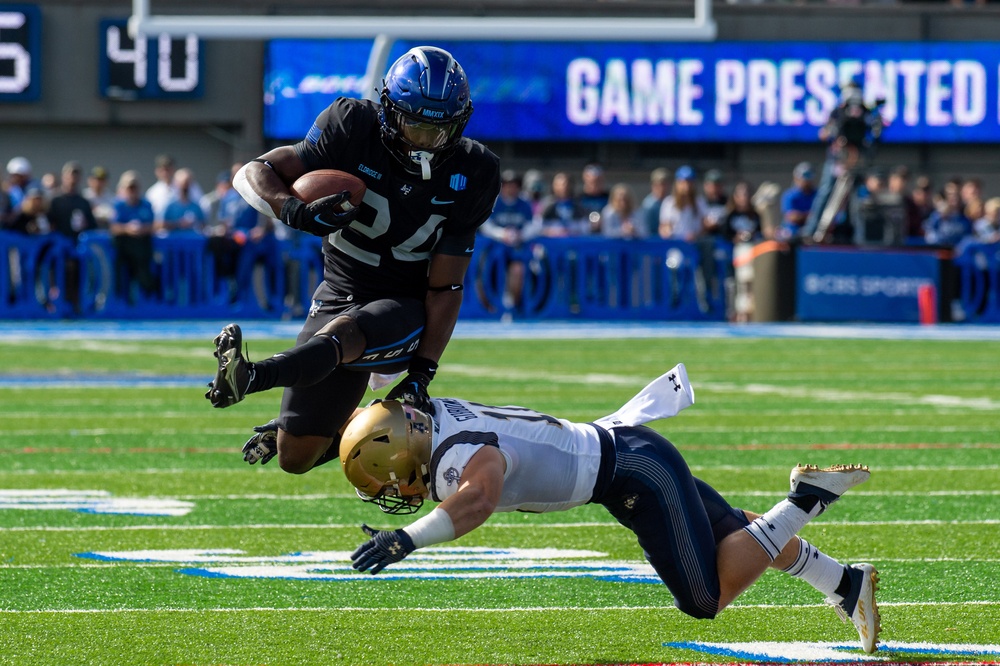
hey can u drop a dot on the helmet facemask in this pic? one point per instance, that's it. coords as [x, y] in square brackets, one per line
[385, 453]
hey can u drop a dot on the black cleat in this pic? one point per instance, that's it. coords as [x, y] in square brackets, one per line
[233, 376]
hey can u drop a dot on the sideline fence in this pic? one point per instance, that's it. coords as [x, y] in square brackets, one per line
[580, 278]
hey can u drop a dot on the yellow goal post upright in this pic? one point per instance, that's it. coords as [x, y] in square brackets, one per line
[384, 30]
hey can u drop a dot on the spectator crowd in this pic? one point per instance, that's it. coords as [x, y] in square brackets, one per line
[73, 202]
[678, 204]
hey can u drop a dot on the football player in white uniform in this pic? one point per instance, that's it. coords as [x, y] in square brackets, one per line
[477, 459]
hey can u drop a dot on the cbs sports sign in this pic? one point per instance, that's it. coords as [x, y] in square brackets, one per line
[937, 92]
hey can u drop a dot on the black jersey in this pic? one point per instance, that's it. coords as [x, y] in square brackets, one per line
[404, 219]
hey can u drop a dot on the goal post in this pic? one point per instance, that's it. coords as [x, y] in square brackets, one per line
[699, 27]
[384, 30]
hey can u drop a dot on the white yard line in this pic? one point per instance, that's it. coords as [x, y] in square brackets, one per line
[153, 471]
[169, 565]
[492, 372]
[523, 609]
[797, 392]
[727, 429]
[881, 469]
[310, 497]
[497, 526]
[828, 395]
[119, 347]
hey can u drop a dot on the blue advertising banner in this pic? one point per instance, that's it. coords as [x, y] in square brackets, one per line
[851, 284]
[716, 91]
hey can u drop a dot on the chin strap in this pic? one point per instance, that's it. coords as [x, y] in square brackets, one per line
[423, 158]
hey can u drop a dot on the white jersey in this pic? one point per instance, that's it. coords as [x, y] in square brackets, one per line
[552, 464]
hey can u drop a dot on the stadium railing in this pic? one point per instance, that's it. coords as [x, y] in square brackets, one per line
[565, 278]
[49, 276]
[600, 278]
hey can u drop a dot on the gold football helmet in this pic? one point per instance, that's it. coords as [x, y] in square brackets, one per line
[385, 452]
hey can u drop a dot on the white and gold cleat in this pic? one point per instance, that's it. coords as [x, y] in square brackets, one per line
[859, 606]
[827, 483]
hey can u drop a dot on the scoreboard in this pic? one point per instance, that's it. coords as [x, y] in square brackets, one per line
[155, 67]
[20, 53]
[148, 67]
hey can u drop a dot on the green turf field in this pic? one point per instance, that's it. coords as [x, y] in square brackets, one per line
[248, 565]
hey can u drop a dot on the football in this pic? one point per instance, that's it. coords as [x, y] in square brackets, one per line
[324, 182]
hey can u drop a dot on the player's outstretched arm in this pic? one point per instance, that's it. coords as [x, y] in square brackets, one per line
[477, 497]
[478, 492]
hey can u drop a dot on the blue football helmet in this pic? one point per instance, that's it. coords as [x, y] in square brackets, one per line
[425, 107]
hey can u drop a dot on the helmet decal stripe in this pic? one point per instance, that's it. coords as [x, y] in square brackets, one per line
[421, 57]
[449, 66]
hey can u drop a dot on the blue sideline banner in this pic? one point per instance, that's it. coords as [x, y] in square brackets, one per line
[938, 92]
[852, 284]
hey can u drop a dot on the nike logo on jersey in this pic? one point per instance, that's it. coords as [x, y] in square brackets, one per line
[469, 250]
[434, 200]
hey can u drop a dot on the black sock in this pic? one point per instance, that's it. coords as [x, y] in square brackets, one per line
[845, 585]
[302, 366]
[803, 501]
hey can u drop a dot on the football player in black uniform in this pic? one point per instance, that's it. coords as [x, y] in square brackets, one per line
[394, 266]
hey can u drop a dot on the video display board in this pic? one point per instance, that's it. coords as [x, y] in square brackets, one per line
[716, 91]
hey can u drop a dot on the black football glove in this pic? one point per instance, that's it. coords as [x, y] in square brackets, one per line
[413, 388]
[321, 217]
[264, 445]
[382, 549]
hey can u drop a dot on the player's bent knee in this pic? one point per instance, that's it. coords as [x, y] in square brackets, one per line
[349, 334]
[298, 455]
[697, 611]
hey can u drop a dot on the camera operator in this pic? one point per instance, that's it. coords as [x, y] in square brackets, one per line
[851, 131]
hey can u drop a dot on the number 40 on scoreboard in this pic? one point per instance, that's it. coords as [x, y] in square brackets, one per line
[149, 67]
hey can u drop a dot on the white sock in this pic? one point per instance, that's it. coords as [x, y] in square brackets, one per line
[775, 529]
[818, 569]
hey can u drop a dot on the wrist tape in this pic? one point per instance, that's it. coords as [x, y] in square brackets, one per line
[435, 527]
